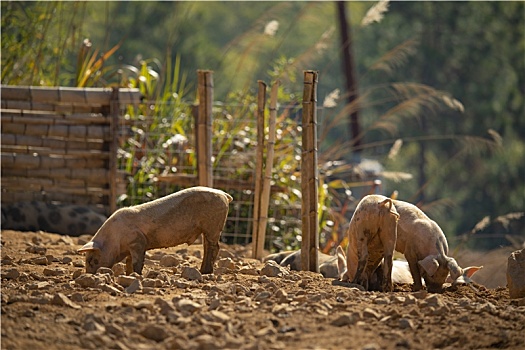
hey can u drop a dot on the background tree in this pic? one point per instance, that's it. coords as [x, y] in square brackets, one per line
[472, 51]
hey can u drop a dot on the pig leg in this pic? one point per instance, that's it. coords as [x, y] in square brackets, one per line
[362, 256]
[211, 251]
[388, 240]
[414, 271]
[386, 283]
[137, 251]
[129, 265]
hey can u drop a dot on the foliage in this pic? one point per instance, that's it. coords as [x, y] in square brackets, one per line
[440, 96]
[157, 143]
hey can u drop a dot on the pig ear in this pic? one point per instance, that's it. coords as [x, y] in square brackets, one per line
[341, 262]
[454, 268]
[468, 272]
[430, 264]
[92, 245]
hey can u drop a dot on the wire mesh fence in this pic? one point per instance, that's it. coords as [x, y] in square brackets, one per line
[157, 156]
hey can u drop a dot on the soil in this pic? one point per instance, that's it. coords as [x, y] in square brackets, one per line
[48, 302]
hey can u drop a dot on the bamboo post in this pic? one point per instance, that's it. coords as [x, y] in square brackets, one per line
[257, 242]
[204, 124]
[114, 111]
[266, 185]
[309, 175]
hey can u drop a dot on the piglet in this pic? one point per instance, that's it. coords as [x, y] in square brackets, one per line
[425, 247]
[165, 222]
[372, 238]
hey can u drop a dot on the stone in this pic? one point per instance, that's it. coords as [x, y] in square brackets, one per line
[41, 260]
[86, 281]
[516, 274]
[115, 329]
[206, 341]
[272, 269]
[405, 323]
[62, 300]
[77, 297]
[125, 281]
[144, 304]
[36, 250]
[409, 300]
[77, 274]
[54, 272]
[165, 306]
[226, 263]
[105, 271]
[152, 274]
[42, 299]
[398, 299]
[434, 300]
[263, 295]
[191, 273]
[344, 319]
[119, 269]
[39, 285]
[371, 313]
[133, 287]
[422, 294]
[151, 291]
[249, 271]
[64, 240]
[181, 284]
[489, 307]
[281, 295]
[187, 305]
[11, 274]
[79, 263]
[109, 289]
[51, 259]
[214, 304]
[154, 332]
[93, 326]
[169, 261]
[381, 301]
[223, 253]
[149, 282]
[219, 316]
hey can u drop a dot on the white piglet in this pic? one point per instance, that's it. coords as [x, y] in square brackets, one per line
[425, 247]
[165, 222]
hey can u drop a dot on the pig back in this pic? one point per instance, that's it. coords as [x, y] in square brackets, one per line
[370, 214]
[417, 231]
[182, 216]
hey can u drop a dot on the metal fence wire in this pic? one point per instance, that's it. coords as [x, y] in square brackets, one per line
[157, 156]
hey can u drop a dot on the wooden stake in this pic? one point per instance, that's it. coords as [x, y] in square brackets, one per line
[309, 175]
[265, 196]
[257, 243]
[114, 107]
[204, 124]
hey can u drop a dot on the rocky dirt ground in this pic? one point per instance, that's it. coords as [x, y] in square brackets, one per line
[49, 303]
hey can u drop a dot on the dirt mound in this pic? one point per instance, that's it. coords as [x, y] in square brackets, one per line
[49, 302]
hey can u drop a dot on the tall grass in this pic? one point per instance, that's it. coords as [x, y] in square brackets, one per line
[157, 135]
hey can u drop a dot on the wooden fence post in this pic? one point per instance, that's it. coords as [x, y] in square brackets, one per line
[204, 125]
[266, 185]
[309, 175]
[257, 242]
[114, 106]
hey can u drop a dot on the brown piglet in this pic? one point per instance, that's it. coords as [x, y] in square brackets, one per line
[175, 219]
